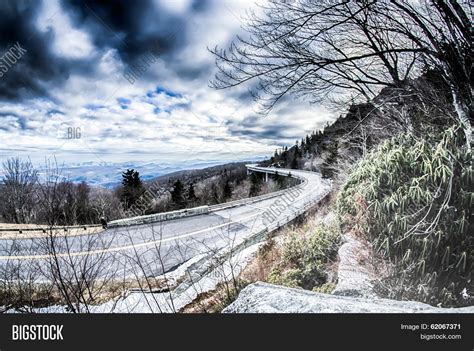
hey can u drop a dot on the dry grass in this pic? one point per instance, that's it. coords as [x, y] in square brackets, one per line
[114, 289]
[267, 258]
[209, 302]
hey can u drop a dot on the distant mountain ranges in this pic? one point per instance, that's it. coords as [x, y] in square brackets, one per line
[109, 175]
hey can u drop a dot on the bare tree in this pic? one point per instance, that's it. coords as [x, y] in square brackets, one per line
[105, 204]
[350, 50]
[50, 193]
[17, 192]
[144, 264]
[81, 268]
[22, 287]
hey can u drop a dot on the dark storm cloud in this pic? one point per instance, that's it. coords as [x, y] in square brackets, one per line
[38, 66]
[134, 28]
[255, 128]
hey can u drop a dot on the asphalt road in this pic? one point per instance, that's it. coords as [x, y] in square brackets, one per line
[153, 249]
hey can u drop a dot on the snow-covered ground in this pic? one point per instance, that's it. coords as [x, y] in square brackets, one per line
[193, 283]
[267, 298]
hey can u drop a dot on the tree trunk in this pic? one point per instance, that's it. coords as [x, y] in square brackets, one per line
[463, 112]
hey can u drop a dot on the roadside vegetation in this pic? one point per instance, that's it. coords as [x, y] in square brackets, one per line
[306, 256]
[302, 254]
[412, 198]
[399, 155]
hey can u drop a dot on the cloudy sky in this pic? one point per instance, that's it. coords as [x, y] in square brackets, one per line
[133, 76]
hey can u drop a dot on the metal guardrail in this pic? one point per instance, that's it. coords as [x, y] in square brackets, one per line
[159, 217]
[249, 200]
[45, 229]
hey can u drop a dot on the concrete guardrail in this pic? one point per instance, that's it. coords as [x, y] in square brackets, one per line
[160, 217]
[188, 212]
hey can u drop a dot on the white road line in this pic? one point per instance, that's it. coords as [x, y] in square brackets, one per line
[126, 247]
[258, 208]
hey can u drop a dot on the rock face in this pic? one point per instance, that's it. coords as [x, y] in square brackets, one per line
[267, 298]
[354, 274]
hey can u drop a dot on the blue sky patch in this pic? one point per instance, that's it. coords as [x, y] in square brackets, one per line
[158, 110]
[94, 106]
[161, 90]
[124, 103]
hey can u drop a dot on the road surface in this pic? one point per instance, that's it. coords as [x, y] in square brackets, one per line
[153, 249]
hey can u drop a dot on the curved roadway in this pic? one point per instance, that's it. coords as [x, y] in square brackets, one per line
[153, 249]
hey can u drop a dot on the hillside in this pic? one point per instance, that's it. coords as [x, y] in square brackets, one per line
[399, 221]
[194, 175]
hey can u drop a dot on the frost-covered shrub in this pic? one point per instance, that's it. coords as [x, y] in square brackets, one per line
[414, 199]
[305, 258]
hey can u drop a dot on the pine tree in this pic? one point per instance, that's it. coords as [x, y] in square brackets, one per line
[295, 156]
[131, 178]
[255, 184]
[294, 161]
[284, 156]
[276, 157]
[132, 187]
[177, 195]
[328, 169]
[282, 181]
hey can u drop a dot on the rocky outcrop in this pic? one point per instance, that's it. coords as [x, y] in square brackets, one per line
[355, 274]
[267, 298]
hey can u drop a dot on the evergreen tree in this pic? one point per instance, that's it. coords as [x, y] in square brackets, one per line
[255, 184]
[132, 187]
[294, 161]
[177, 195]
[282, 181]
[295, 156]
[131, 178]
[284, 156]
[328, 169]
[276, 157]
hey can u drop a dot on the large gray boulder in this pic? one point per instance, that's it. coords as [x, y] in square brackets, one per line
[267, 298]
[355, 274]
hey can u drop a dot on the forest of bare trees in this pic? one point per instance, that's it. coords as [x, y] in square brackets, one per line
[48, 197]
